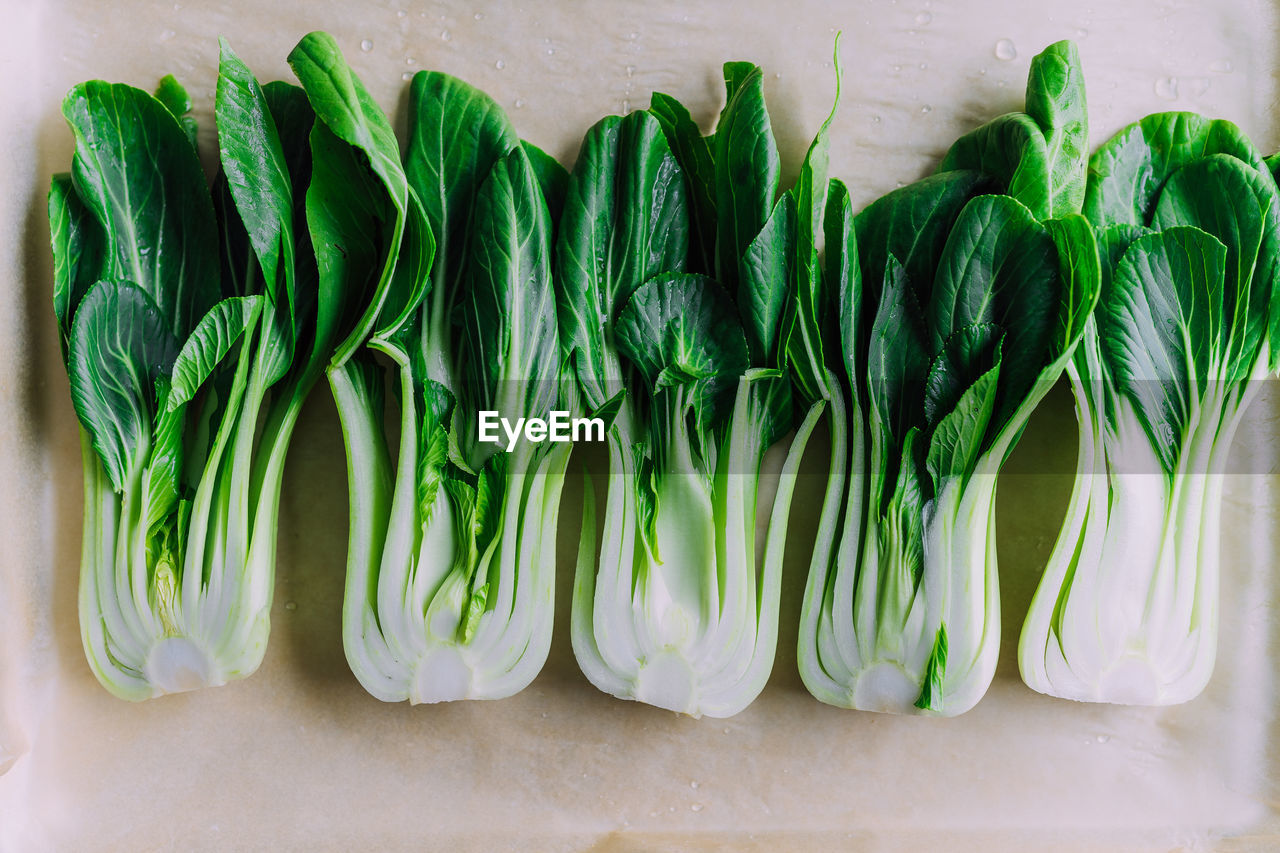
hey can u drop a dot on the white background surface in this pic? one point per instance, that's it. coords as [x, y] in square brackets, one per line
[299, 756]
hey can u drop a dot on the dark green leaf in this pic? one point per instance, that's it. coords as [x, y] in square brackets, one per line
[803, 332]
[1128, 172]
[456, 134]
[898, 355]
[1056, 100]
[768, 405]
[77, 253]
[256, 173]
[912, 224]
[1223, 197]
[436, 407]
[175, 99]
[625, 220]
[1011, 149]
[138, 175]
[512, 351]
[209, 343]
[765, 278]
[970, 352]
[693, 152]
[958, 406]
[746, 168]
[1163, 330]
[164, 468]
[935, 670]
[350, 219]
[681, 329]
[844, 280]
[1080, 274]
[120, 346]
[1000, 266]
[350, 113]
[552, 177]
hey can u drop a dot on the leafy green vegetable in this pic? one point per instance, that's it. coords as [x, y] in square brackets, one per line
[442, 266]
[1127, 609]
[676, 608]
[957, 311]
[187, 377]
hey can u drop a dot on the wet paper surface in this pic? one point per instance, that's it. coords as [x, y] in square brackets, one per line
[300, 756]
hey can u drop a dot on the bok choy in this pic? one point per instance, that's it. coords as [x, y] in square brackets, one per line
[958, 308]
[188, 329]
[438, 273]
[1127, 609]
[675, 262]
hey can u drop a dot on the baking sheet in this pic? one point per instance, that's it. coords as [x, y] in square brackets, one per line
[298, 756]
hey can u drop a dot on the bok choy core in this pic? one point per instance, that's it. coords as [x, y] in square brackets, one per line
[188, 329]
[957, 309]
[1127, 609]
[675, 262]
[442, 268]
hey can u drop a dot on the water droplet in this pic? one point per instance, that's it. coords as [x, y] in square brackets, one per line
[923, 66]
[1167, 88]
[1081, 32]
[366, 45]
[924, 19]
[291, 605]
[697, 807]
[632, 36]
[899, 184]
[631, 70]
[409, 60]
[1220, 66]
[626, 106]
[1000, 85]
[408, 75]
[479, 16]
[897, 68]
[1103, 738]
[875, 119]
[445, 35]
[1005, 50]
[551, 51]
[694, 784]
[401, 13]
[499, 65]
[926, 109]
[726, 729]
[520, 105]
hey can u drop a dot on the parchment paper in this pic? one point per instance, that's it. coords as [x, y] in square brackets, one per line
[299, 757]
